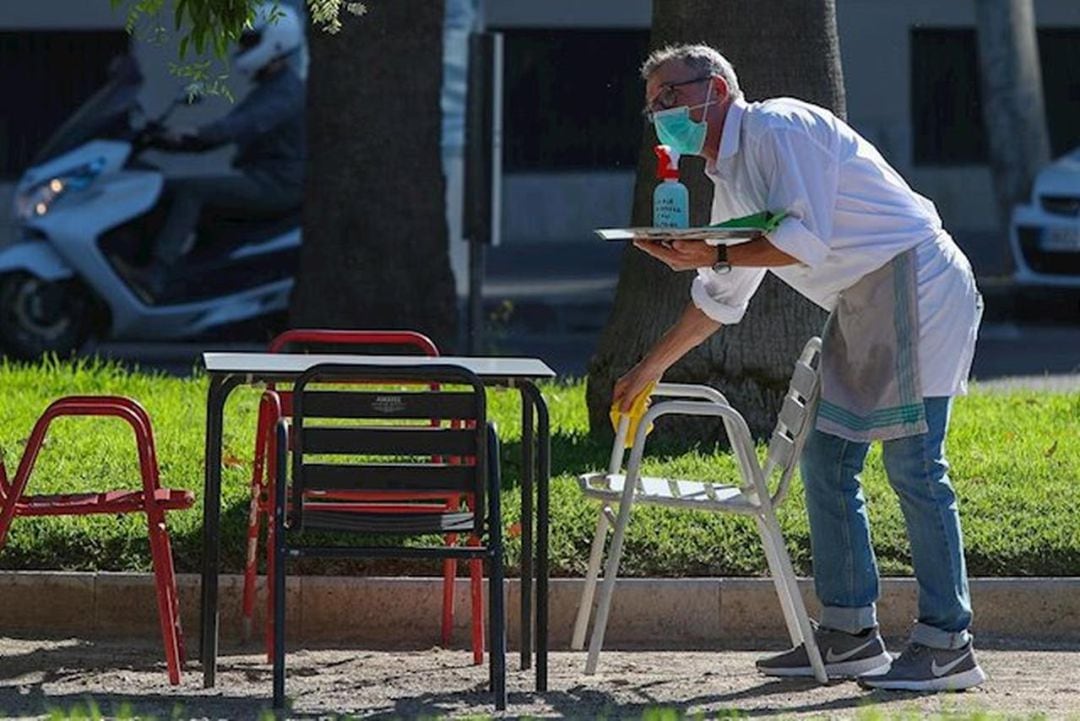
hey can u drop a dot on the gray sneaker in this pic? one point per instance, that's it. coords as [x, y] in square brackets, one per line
[921, 668]
[845, 655]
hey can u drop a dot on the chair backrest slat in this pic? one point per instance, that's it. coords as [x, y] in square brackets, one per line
[804, 380]
[795, 418]
[781, 449]
[793, 414]
[390, 404]
[352, 341]
[386, 441]
[387, 477]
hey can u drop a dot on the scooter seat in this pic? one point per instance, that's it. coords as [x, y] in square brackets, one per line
[218, 226]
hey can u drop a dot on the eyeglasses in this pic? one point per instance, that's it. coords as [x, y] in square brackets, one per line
[668, 97]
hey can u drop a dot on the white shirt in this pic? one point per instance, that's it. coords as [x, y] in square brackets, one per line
[849, 214]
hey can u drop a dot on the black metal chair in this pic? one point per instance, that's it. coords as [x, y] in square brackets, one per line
[343, 439]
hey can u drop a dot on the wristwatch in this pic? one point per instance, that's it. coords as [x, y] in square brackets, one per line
[721, 265]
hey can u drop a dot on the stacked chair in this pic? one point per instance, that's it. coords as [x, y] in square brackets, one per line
[750, 495]
[360, 429]
[151, 499]
[276, 404]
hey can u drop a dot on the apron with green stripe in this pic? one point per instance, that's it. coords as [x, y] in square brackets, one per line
[870, 388]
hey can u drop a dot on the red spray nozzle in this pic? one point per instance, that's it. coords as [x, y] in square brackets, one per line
[667, 163]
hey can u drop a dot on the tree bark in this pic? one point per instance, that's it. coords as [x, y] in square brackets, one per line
[1012, 92]
[375, 236]
[779, 47]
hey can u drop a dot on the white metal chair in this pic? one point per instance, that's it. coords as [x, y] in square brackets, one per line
[750, 497]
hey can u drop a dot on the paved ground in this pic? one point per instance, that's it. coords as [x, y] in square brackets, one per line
[38, 675]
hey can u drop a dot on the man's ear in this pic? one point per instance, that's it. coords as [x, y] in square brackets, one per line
[720, 88]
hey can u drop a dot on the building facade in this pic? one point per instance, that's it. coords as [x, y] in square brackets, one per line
[571, 139]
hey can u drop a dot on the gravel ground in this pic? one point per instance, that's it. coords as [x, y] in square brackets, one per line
[37, 675]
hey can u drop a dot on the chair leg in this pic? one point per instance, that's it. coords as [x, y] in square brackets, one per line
[607, 590]
[271, 579]
[798, 608]
[497, 632]
[596, 555]
[783, 593]
[165, 590]
[496, 590]
[174, 598]
[251, 563]
[449, 577]
[276, 453]
[7, 514]
[278, 596]
[476, 592]
[259, 505]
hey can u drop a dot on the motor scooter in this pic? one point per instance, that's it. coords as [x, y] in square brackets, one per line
[88, 210]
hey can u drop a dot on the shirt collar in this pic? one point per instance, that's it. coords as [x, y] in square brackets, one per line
[729, 136]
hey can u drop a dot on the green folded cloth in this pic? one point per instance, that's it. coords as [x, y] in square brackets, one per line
[764, 221]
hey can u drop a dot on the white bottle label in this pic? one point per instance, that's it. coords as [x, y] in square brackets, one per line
[669, 212]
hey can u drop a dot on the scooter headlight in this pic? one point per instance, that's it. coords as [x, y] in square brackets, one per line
[36, 200]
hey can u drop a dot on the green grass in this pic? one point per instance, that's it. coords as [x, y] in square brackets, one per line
[92, 712]
[1015, 462]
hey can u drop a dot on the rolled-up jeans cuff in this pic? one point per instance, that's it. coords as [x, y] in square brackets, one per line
[936, 638]
[849, 620]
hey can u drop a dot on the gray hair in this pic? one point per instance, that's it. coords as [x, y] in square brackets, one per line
[701, 58]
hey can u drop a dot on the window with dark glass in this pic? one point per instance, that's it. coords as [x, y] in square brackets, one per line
[572, 99]
[46, 75]
[946, 105]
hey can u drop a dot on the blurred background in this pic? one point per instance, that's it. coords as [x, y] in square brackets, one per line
[569, 150]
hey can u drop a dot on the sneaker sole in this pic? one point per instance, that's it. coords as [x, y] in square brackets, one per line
[849, 669]
[955, 682]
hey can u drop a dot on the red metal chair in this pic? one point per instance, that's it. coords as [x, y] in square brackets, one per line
[152, 499]
[276, 404]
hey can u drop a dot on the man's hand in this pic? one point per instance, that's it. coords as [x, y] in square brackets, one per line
[634, 382]
[179, 139]
[179, 136]
[680, 254]
[693, 254]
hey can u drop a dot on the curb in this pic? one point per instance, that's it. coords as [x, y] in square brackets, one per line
[658, 614]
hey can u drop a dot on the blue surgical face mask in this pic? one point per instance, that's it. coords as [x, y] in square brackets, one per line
[675, 127]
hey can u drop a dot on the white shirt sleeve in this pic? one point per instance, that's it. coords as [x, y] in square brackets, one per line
[725, 297]
[802, 177]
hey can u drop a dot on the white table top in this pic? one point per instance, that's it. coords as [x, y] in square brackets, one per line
[297, 363]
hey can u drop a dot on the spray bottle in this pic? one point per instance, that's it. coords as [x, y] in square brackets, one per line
[671, 200]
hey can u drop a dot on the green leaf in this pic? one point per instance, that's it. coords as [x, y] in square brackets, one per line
[178, 16]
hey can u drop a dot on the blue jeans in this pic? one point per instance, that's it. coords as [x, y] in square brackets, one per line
[845, 570]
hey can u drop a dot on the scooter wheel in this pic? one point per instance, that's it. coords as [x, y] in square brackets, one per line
[39, 316]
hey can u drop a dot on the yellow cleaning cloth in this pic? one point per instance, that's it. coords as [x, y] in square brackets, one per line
[636, 413]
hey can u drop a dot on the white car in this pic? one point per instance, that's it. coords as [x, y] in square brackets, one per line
[1045, 234]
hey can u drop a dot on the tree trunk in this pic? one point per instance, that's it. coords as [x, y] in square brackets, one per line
[1013, 108]
[781, 47]
[375, 237]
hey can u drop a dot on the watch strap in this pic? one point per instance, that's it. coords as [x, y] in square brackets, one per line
[721, 265]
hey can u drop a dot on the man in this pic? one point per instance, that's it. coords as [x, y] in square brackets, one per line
[268, 130]
[859, 242]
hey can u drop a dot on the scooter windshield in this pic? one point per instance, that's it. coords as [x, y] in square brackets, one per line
[103, 115]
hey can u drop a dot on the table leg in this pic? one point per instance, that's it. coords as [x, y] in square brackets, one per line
[543, 504]
[528, 465]
[208, 647]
